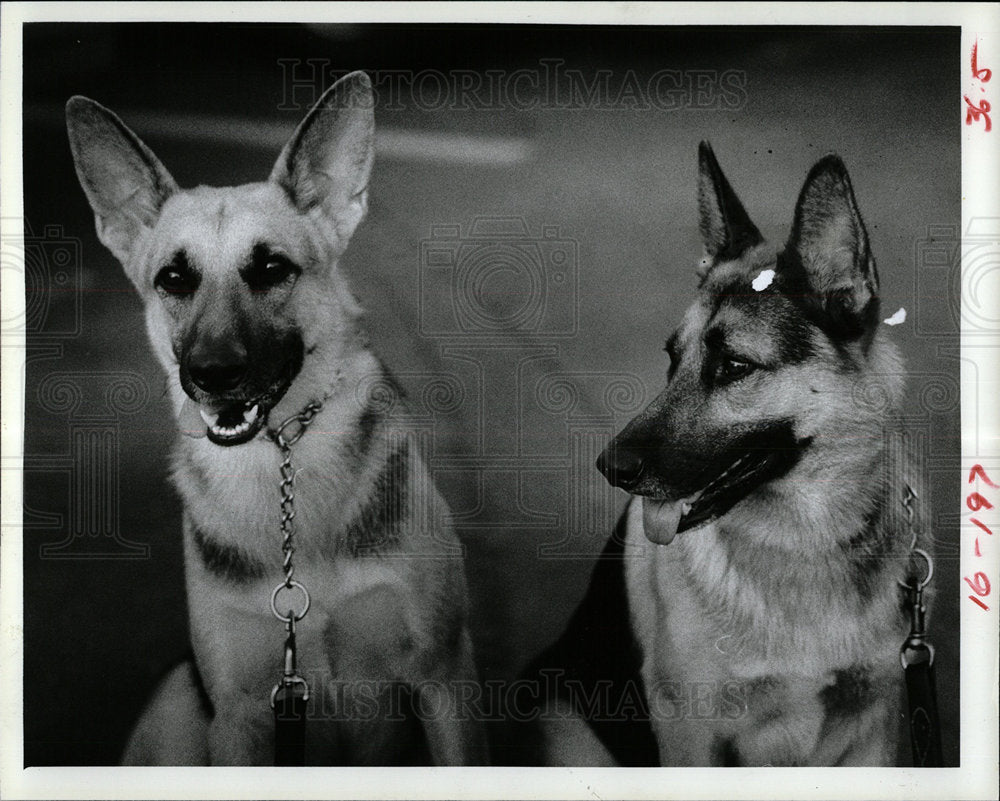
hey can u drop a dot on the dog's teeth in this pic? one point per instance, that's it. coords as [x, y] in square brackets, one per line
[231, 431]
[685, 508]
[250, 417]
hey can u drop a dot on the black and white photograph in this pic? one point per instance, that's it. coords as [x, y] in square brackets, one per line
[500, 386]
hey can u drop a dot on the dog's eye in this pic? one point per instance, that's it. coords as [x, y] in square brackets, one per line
[733, 369]
[268, 270]
[176, 279]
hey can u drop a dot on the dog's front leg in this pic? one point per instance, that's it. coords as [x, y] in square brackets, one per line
[241, 733]
[450, 716]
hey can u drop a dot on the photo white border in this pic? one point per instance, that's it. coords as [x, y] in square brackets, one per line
[980, 387]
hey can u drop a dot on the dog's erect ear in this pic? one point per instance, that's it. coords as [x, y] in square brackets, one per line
[326, 163]
[830, 241]
[124, 182]
[726, 229]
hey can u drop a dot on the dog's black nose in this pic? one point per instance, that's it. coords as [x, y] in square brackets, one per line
[620, 465]
[217, 367]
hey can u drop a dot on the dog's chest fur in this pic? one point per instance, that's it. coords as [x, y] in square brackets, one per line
[353, 462]
[736, 671]
[370, 612]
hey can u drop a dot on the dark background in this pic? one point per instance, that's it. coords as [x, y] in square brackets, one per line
[104, 603]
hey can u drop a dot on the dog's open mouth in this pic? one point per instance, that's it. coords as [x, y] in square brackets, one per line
[663, 519]
[232, 425]
[229, 422]
[234, 417]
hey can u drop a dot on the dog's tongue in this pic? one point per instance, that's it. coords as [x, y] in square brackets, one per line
[660, 518]
[191, 422]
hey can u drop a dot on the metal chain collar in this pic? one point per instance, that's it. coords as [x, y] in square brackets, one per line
[285, 436]
[916, 648]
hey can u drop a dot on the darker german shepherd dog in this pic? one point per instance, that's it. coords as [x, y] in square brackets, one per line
[762, 626]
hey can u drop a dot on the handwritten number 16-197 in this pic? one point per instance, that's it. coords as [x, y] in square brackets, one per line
[979, 582]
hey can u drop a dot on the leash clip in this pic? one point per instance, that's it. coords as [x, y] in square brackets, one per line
[290, 679]
[915, 648]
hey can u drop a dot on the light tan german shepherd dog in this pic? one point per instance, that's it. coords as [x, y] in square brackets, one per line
[252, 321]
[747, 611]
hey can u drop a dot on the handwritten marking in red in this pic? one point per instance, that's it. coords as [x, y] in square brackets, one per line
[983, 526]
[975, 502]
[972, 113]
[980, 582]
[983, 74]
[977, 470]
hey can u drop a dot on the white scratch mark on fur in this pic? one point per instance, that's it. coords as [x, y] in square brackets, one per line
[897, 318]
[763, 281]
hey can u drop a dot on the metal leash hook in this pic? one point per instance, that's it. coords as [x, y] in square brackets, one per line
[288, 700]
[290, 679]
[915, 648]
[290, 694]
[916, 655]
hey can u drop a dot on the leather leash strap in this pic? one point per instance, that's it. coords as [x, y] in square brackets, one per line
[289, 702]
[917, 656]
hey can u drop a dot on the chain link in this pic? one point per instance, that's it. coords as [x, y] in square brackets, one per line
[908, 498]
[287, 486]
[284, 441]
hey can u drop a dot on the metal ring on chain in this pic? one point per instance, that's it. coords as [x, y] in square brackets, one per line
[930, 567]
[930, 570]
[909, 497]
[291, 616]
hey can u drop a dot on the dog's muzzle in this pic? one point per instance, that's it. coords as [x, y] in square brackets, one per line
[232, 386]
[696, 497]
